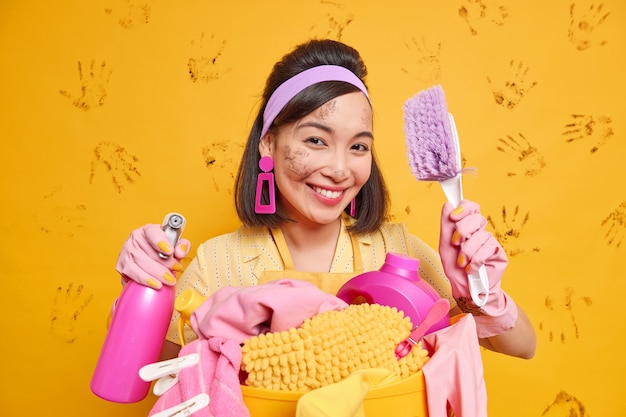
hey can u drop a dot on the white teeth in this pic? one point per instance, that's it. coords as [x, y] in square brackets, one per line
[327, 193]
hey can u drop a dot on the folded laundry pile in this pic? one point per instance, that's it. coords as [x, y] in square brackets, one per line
[329, 347]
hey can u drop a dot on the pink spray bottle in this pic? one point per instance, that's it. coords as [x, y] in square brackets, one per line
[396, 284]
[140, 319]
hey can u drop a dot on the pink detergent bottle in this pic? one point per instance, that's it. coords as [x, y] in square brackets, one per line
[140, 319]
[396, 284]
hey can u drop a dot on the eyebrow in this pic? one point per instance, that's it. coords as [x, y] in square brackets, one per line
[328, 129]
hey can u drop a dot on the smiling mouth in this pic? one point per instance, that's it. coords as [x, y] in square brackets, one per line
[327, 193]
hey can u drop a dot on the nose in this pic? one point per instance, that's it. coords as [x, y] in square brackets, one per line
[337, 168]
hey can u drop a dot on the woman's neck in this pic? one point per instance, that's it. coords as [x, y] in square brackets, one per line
[312, 248]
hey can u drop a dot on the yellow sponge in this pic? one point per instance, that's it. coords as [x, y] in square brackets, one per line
[330, 346]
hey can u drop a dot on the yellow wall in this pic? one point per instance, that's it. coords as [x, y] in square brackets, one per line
[155, 121]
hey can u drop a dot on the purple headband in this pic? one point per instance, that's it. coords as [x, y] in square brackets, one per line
[287, 90]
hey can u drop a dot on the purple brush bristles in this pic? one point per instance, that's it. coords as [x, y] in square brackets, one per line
[429, 138]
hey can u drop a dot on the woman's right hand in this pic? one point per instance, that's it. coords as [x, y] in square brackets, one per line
[139, 258]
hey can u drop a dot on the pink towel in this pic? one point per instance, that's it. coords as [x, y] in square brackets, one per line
[217, 374]
[242, 312]
[454, 373]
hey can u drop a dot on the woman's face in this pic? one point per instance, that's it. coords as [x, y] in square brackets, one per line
[322, 160]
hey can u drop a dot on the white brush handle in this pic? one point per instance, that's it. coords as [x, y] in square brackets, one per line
[453, 189]
[479, 286]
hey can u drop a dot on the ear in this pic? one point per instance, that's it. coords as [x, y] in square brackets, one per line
[266, 145]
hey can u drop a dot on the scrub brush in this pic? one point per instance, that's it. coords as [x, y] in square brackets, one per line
[435, 155]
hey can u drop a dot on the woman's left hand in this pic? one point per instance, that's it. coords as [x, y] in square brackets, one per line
[465, 245]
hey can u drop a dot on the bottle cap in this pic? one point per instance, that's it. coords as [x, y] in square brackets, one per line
[401, 265]
[187, 302]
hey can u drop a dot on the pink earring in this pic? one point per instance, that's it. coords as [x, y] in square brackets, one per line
[266, 164]
[353, 207]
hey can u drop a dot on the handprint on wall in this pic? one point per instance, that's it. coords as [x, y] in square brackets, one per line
[615, 223]
[515, 87]
[338, 20]
[531, 161]
[133, 14]
[582, 28]
[54, 216]
[565, 405]
[93, 86]
[219, 159]
[562, 315]
[509, 228]
[69, 303]
[118, 162]
[206, 64]
[475, 12]
[427, 66]
[589, 128]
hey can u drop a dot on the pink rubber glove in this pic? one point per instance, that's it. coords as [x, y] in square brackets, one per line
[139, 258]
[464, 245]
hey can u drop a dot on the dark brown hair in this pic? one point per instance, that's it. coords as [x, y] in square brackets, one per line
[372, 200]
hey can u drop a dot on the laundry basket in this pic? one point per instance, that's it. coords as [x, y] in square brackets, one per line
[406, 398]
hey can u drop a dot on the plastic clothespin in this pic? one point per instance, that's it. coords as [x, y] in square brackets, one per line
[186, 408]
[167, 372]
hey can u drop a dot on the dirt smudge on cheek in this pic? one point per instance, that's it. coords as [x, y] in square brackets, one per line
[296, 163]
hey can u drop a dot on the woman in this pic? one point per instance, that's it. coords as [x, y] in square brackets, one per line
[313, 205]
